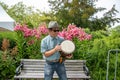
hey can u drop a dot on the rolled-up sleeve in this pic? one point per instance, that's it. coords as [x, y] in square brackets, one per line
[43, 46]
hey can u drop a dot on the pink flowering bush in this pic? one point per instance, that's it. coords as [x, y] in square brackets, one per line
[72, 32]
[27, 32]
[28, 40]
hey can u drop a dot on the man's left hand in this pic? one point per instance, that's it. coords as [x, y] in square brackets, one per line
[69, 56]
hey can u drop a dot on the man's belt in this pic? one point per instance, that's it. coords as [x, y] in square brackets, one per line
[56, 60]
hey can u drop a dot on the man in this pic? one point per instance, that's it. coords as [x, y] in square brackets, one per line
[50, 48]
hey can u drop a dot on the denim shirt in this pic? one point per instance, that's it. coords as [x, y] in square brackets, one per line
[47, 44]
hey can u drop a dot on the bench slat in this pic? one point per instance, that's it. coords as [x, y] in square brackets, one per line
[41, 62]
[38, 75]
[26, 71]
[42, 66]
[39, 69]
[38, 66]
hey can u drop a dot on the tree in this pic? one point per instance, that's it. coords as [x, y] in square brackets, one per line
[23, 14]
[20, 12]
[4, 5]
[107, 20]
[76, 11]
[80, 12]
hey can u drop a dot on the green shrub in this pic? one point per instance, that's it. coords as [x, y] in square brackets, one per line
[95, 52]
[27, 50]
[97, 62]
[8, 65]
[8, 35]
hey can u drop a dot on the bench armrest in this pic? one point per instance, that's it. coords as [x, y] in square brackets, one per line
[18, 70]
[86, 70]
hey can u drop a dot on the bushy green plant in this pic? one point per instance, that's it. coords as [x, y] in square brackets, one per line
[95, 52]
[97, 62]
[8, 60]
[82, 49]
[7, 66]
[99, 34]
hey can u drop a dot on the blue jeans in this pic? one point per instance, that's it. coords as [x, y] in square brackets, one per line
[50, 67]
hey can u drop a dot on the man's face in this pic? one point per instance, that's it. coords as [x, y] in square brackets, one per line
[54, 31]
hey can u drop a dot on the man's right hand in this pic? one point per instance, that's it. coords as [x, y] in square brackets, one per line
[57, 48]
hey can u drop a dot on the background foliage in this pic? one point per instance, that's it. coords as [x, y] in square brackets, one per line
[94, 50]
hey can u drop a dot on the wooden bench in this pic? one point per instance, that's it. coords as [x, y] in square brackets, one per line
[34, 69]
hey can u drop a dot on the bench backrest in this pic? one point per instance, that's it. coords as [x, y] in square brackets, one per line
[38, 65]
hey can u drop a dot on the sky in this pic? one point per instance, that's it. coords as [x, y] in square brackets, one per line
[43, 5]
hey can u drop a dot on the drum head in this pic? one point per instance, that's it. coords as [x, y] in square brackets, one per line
[67, 46]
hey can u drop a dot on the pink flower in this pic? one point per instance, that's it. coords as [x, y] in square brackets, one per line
[88, 37]
[30, 42]
[72, 31]
[71, 26]
[43, 29]
[28, 32]
[62, 34]
[18, 27]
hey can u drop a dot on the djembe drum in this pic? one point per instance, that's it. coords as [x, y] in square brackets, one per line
[67, 47]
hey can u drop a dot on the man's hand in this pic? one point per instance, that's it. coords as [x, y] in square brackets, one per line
[57, 48]
[69, 56]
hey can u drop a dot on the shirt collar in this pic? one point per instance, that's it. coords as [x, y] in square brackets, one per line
[52, 38]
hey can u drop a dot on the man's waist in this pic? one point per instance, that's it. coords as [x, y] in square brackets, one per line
[56, 60]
